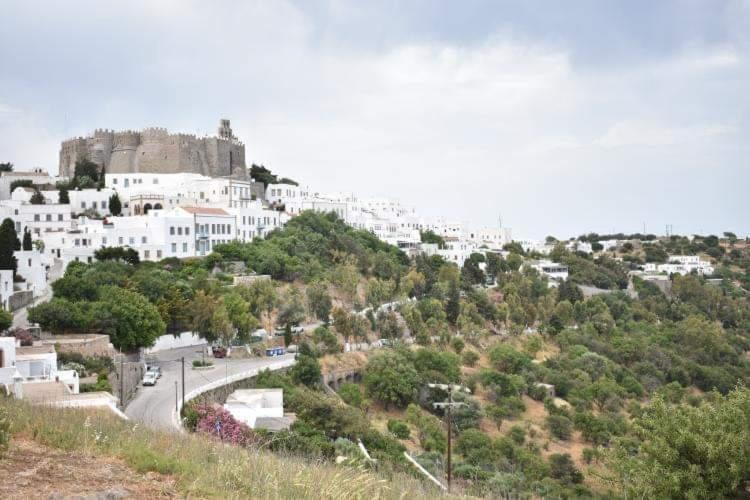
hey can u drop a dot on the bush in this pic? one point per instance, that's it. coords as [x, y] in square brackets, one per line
[470, 358]
[399, 429]
[560, 426]
[199, 363]
[4, 430]
[351, 394]
[563, 469]
[306, 371]
[102, 385]
[517, 434]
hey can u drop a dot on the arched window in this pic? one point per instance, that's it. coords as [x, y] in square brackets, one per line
[157, 206]
[146, 208]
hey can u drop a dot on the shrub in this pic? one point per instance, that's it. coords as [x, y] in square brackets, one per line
[351, 394]
[199, 363]
[218, 422]
[306, 371]
[517, 434]
[4, 430]
[562, 468]
[398, 428]
[470, 358]
[560, 426]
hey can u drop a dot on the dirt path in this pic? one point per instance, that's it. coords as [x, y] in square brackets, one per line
[31, 470]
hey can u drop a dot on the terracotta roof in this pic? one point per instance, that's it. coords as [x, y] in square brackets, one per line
[205, 210]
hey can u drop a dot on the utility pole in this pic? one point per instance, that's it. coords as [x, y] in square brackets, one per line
[122, 381]
[448, 406]
[176, 398]
[183, 380]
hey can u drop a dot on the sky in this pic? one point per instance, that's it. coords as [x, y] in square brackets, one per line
[559, 117]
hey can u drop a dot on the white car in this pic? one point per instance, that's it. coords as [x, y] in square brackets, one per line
[150, 378]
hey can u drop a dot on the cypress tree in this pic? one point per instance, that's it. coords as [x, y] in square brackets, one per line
[115, 207]
[63, 196]
[8, 240]
[27, 243]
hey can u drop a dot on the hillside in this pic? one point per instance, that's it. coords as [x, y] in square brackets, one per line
[126, 457]
[567, 393]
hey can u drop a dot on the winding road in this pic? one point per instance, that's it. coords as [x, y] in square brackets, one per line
[154, 405]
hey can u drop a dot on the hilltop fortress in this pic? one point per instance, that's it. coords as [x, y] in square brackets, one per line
[155, 150]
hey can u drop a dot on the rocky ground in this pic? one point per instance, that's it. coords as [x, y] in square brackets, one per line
[31, 470]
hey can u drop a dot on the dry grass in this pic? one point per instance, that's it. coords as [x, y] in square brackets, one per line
[200, 467]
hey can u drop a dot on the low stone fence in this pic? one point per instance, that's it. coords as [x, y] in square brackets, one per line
[20, 299]
[128, 373]
[86, 344]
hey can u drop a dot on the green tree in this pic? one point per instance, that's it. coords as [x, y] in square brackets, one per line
[86, 168]
[239, 314]
[351, 394]
[291, 310]
[221, 327]
[688, 452]
[115, 205]
[319, 301]
[129, 319]
[27, 243]
[8, 241]
[561, 467]
[391, 379]
[306, 371]
[6, 320]
[453, 304]
[379, 291]
[63, 197]
[37, 198]
[261, 297]
[201, 314]
[6, 167]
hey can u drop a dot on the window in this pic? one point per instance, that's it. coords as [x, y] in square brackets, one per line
[104, 241]
[174, 247]
[83, 204]
[48, 217]
[213, 228]
[184, 248]
[127, 182]
[146, 254]
[179, 230]
[59, 217]
[187, 231]
[143, 240]
[104, 204]
[156, 181]
[36, 217]
[93, 204]
[158, 254]
[171, 230]
[114, 181]
[120, 240]
[131, 240]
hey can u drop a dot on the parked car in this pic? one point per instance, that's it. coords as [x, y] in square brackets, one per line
[155, 370]
[219, 352]
[149, 379]
[274, 351]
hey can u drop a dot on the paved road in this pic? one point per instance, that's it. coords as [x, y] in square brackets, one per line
[21, 316]
[154, 405]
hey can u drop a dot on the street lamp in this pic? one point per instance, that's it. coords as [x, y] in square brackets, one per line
[448, 406]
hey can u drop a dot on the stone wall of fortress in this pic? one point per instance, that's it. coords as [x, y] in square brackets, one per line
[155, 150]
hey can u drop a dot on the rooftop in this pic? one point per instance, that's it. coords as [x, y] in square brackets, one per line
[205, 210]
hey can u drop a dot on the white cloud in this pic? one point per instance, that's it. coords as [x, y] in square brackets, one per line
[507, 125]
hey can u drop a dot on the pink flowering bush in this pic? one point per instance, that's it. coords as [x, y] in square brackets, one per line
[218, 422]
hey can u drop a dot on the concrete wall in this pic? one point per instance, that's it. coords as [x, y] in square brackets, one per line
[185, 339]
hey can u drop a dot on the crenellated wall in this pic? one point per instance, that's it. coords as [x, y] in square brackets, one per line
[155, 150]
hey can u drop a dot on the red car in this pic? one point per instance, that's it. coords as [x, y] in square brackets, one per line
[219, 352]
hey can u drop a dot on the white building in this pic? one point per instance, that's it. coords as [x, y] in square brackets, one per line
[681, 264]
[38, 177]
[259, 408]
[39, 219]
[33, 270]
[32, 364]
[552, 270]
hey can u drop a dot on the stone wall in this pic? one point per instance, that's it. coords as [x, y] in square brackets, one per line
[155, 150]
[20, 299]
[87, 344]
[132, 373]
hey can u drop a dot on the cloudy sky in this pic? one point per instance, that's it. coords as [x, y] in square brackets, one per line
[563, 117]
